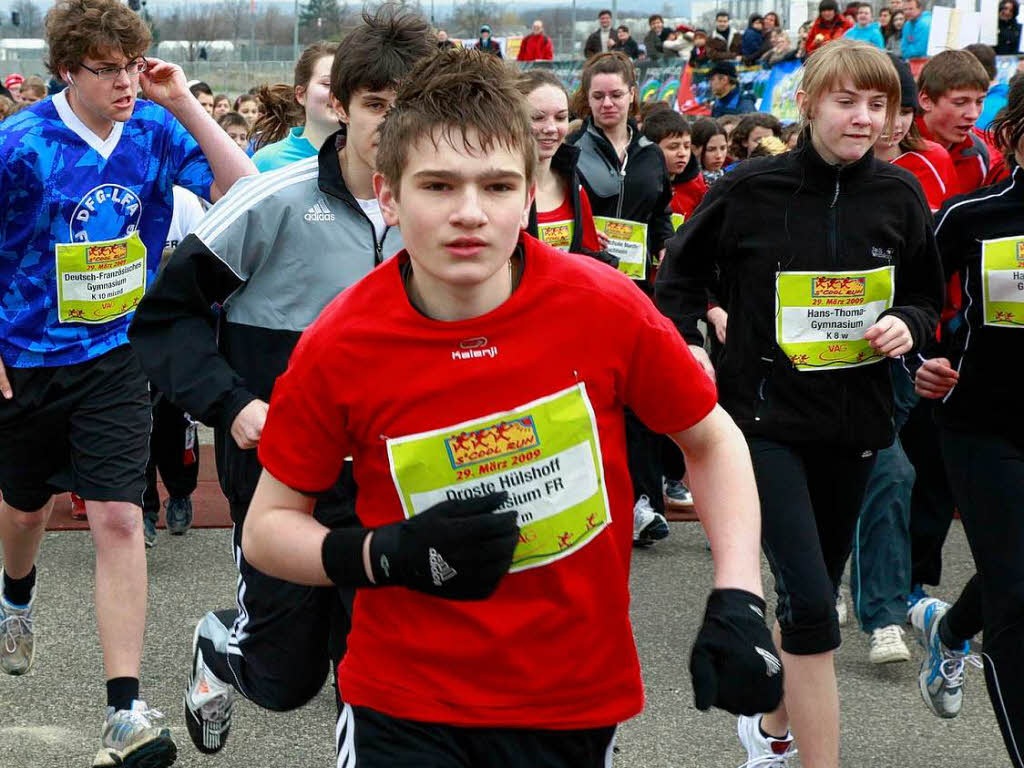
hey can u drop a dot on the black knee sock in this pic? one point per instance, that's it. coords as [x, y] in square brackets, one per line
[121, 691]
[19, 591]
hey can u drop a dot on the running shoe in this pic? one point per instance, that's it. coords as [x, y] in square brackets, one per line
[677, 495]
[941, 679]
[208, 702]
[887, 645]
[149, 529]
[131, 740]
[916, 595]
[178, 512]
[17, 638]
[648, 525]
[842, 612]
[78, 507]
[763, 751]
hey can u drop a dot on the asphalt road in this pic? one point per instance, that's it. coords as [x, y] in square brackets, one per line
[51, 718]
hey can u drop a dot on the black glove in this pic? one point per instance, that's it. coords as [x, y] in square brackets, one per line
[734, 664]
[457, 549]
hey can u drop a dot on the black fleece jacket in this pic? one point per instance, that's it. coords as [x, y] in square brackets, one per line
[795, 212]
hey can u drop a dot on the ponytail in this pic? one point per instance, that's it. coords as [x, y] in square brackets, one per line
[280, 112]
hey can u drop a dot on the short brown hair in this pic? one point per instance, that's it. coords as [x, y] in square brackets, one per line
[950, 71]
[76, 29]
[665, 124]
[379, 53]
[446, 96]
[986, 54]
[746, 126]
[532, 79]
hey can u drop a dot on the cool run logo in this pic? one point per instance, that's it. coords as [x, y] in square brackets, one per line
[319, 212]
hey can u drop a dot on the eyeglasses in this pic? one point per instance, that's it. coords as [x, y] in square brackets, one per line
[133, 68]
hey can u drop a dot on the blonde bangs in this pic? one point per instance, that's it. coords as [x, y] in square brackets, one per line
[851, 63]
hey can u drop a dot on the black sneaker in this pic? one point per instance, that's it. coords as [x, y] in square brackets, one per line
[179, 515]
[208, 702]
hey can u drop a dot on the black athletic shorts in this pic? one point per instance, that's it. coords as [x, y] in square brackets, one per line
[82, 428]
[369, 739]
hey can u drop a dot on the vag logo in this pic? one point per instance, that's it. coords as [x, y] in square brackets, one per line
[319, 212]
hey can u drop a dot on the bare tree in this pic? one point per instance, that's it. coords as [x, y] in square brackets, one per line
[30, 18]
[470, 16]
[235, 14]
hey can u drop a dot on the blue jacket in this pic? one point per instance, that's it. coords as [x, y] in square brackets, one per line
[735, 102]
[753, 41]
[872, 34]
[914, 43]
[994, 102]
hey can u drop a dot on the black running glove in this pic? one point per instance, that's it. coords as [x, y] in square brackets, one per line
[457, 549]
[734, 664]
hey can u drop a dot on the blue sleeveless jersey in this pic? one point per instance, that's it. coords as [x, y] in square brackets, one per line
[60, 184]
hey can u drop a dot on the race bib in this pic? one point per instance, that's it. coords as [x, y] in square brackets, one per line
[101, 281]
[546, 454]
[1002, 280]
[556, 233]
[821, 317]
[627, 240]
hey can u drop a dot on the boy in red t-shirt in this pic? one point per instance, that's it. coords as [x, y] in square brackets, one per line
[478, 380]
[670, 131]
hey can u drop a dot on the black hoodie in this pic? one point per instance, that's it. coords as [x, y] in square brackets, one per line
[642, 193]
[564, 164]
[797, 213]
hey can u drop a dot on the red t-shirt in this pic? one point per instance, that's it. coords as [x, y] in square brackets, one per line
[686, 196]
[417, 402]
[977, 162]
[934, 170]
[564, 214]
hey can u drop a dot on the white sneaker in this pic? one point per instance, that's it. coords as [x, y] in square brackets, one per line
[763, 751]
[648, 525]
[842, 611]
[130, 738]
[17, 636]
[887, 645]
[941, 678]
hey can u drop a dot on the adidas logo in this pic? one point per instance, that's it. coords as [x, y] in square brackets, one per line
[319, 212]
[770, 660]
[440, 571]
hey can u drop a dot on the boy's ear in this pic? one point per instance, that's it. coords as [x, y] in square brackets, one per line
[386, 200]
[531, 194]
[925, 101]
[342, 114]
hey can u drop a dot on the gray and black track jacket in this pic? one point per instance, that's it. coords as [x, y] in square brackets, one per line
[272, 253]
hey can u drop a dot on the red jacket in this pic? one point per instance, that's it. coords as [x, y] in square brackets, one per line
[934, 170]
[536, 48]
[686, 195]
[827, 30]
[976, 162]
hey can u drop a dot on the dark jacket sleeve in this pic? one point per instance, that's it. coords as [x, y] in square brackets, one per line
[689, 268]
[660, 227]
[593, 44]
[920, 287]
[174, 335]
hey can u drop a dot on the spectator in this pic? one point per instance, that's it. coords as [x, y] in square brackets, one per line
[729, 97]
[914, 42]
[827, 27]
[486, 43]
[866, 30]
[603, 38]
[892, 33]
[771, 22]
[674, 43]
[33, 90]
[237, 127]
[536, 46]
[728, 123]
[654, 42]
[753, 39]
[7, 107]
[699, 54]
[801, 46]
[248, 107]
[443, 42]
[731, 41]
[851, 11]
[13, 84]
[625, 43]
[204, 95]
[995, 100]
[884, 17]
[780, 49]
[1008, 41]
[648, 109]
[791, 135]
[221, 106]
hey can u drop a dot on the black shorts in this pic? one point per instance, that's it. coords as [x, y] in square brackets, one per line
[810, 500]
[82, 428]
[369, 739]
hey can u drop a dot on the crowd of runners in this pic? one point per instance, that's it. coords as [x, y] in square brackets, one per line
[463, 335]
